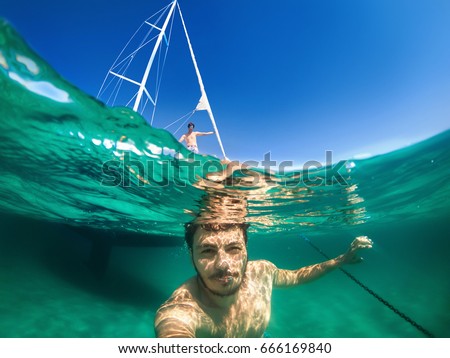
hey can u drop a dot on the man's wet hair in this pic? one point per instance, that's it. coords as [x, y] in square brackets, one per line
[191, 228]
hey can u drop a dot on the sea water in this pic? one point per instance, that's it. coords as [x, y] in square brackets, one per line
[93, 203]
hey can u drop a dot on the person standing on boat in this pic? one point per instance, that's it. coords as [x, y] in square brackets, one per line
[191, 138]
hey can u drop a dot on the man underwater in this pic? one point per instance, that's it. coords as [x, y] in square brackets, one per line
[231, 296]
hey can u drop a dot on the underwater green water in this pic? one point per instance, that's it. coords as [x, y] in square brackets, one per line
[60, 202]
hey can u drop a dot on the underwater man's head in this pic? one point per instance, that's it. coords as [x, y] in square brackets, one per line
[219, 255]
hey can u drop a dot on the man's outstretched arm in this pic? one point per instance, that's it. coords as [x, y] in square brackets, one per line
[285, 278]
[204, 133]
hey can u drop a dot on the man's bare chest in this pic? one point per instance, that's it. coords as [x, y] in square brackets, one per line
[248, 317]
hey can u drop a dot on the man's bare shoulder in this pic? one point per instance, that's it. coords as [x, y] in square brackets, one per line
[260, 268]
[184, 295]
[261, 264]
[178, 316]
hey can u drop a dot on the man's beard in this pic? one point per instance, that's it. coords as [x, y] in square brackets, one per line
[231, 292]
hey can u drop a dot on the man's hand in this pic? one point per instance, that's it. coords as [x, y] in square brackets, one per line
[351, 256]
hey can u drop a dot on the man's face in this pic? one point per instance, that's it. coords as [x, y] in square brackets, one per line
[220, 259]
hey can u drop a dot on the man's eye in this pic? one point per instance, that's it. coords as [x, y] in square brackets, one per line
[235, 249]
[207, 251]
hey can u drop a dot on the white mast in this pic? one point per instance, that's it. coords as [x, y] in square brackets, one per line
[152, 57]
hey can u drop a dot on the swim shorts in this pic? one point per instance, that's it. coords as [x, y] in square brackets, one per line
[193, 148]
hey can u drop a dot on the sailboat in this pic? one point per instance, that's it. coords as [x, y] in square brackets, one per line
[157, 31]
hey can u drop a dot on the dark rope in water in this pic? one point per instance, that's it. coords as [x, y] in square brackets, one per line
[378, 297]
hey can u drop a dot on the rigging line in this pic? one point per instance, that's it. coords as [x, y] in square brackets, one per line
[158, 84]
[184, 122]
[126, 45]
[160, 70]
[131, 99]
[159, 77]
[126, 61]
[107, 100]
[378, 297]
[112, 79]
[119, 83]
[123, 70]
[153, 26]
[104, 89]
[133, 53]
[179, 119]
[120, 54]
[143, 42]
[114, 93]
[145, 105]
[164, 9]
[153, 115]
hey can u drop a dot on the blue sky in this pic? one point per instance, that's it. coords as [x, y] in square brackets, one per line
[294, 78]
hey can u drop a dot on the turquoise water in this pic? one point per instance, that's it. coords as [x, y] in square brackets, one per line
[89, 249]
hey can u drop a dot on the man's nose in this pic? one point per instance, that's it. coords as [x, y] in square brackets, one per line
[223, 260]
